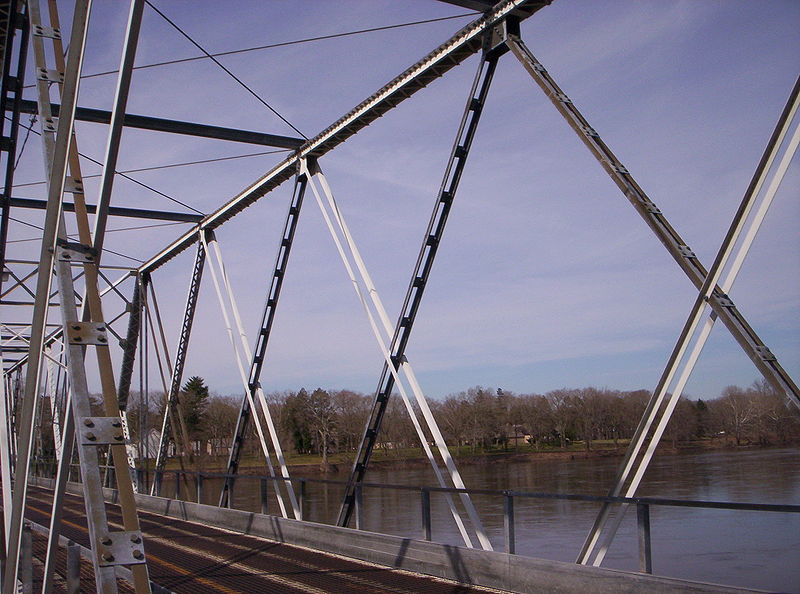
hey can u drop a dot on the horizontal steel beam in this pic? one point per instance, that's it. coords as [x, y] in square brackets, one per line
[451, 53]
[118, 211]
[484, 5]
[99, 116]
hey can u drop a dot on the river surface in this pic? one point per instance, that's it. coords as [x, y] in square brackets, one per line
[741, 548]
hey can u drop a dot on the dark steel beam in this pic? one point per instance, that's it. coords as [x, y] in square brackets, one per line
[119, 211]
[100, 116]
[484, 5]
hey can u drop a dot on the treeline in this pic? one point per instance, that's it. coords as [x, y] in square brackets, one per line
[324, 422]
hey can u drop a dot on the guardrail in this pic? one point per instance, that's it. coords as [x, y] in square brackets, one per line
[643, 504]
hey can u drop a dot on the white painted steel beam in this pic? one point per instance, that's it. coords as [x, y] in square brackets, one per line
[243, 353]
[367, 294]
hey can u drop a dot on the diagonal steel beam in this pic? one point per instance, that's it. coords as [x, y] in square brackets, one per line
[723, 306]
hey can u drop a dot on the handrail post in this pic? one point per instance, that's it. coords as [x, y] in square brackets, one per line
[231, 490]
[263, 492]
[508, 522]
[177, 484]
[199, 484]
[301, 503]
[26, 559]
[425, 495]
[359, 506]
[643, 524]
[73, 568]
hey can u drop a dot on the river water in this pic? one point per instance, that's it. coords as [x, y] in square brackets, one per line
[750, 549]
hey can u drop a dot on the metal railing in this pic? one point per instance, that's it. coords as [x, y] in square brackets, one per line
[509, 497]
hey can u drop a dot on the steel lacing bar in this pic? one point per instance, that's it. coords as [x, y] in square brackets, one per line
[721, 303]
[177, 369]
[433, 235]
[130, 343]
[265, 329]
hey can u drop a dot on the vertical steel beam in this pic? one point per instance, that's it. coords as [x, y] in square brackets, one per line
[264, 332]
[180, 360]
[88, 456]
[433, 235]
[10, 97]
[56, 175]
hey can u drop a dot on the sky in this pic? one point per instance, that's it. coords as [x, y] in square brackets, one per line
[546, 276]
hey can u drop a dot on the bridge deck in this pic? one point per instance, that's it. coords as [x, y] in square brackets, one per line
[189, 557]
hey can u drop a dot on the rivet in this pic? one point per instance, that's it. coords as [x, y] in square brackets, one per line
[137, 554]
[88, 422]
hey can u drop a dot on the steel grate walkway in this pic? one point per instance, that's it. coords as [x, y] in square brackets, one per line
[191, 558]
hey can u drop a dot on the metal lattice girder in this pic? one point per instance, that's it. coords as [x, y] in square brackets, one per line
[451, 53]
[265, 329]
[130, 343]
[723, 307]
[420, 276]
[180, 360]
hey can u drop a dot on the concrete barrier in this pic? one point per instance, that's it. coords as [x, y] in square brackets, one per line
[513, 573]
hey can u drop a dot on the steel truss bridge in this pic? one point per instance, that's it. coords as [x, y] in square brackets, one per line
[60, 320]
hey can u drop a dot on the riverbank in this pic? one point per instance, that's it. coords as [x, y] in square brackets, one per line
[409, 458]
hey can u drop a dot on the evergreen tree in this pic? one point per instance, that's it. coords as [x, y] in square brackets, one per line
[194, 396]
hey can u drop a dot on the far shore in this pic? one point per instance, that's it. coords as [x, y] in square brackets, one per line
[414, 458]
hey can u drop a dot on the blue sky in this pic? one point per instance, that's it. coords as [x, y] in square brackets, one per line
[546, 276]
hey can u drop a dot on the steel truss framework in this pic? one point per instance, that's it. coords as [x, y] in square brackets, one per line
[54, 358]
